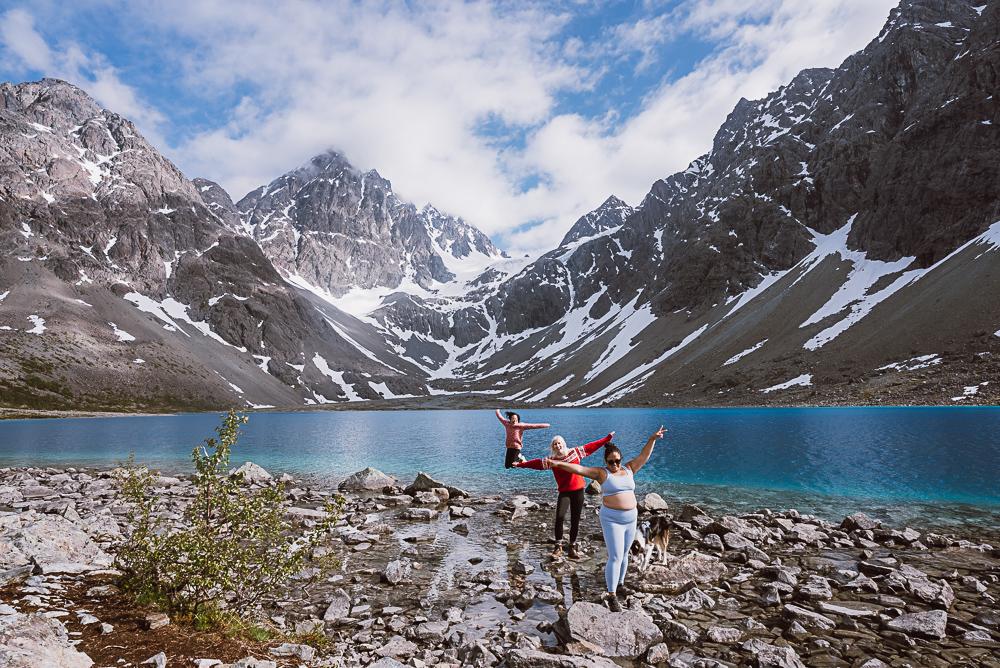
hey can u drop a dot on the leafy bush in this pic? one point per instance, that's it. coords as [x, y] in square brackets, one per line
[234, 547]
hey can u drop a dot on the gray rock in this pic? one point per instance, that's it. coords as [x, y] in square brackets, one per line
[396, 571]
[653, 502]
[626, 634]
[723, 635]
[767, 655]
[33, 641]
[54, 544]
[692, 600]
[253, 474]
[859, 522]
[815, 588]
[157, 661]
[658, 653]
[593, 488]
[425, 483]
[735, 541]
[679, 571]
[303, 652]
[15, 575]
[713, 542]
[678, 632]
[155, 620]
[397, 647]
[807, 617]
[367, 480]
[925, 624]
[253, 662]
[339, 606]
[533, 658]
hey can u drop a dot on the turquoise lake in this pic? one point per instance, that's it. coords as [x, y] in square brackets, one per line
[932, 465]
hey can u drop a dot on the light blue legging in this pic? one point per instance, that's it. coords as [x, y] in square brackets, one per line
[619, 532]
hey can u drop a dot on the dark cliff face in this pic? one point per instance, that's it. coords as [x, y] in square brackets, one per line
[898, 135]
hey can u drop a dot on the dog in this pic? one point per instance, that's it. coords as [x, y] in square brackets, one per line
[653, 534]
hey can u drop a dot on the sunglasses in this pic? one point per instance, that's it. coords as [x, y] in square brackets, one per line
[616, 462]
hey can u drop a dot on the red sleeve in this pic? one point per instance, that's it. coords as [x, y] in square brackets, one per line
[594, 446]
[537, 464]
[528, 425]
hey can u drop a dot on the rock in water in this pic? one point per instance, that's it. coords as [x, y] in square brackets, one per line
[859, 522]
[625, 634]
[31, 641]
[927, 624]
[652, 502]
[253, 474]
[425, 483]
[368, 480]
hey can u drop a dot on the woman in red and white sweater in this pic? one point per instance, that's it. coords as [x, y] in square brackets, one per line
[514, 433]
[571, 486]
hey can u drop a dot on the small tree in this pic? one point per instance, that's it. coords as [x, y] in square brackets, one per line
[235, 546]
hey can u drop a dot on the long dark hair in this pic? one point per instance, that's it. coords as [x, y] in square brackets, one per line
[511, 415]
[611, 449]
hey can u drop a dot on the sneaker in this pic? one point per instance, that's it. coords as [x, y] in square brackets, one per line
[558, 552]
[612, 602]
[572, 553]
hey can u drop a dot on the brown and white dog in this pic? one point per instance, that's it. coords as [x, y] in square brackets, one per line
[653, 534]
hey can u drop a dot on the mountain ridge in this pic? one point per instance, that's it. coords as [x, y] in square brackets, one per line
[838, 229]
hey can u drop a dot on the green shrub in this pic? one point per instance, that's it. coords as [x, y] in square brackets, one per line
[233, 549]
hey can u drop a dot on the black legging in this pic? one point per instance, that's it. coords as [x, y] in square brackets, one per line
[574, 501]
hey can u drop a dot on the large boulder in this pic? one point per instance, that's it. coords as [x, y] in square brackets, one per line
[253, 474]
[653, 502]
[625, 634]
[677, 573]
[859, 522]
[425, 483]
[54, 544]
[367, 480]
[339, 607]
[31, 641]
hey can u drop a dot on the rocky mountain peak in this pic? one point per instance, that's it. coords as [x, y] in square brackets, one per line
[609, 215]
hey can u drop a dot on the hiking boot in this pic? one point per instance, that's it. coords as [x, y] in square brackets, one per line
[572, 553]
[612, 601]
[558, 552]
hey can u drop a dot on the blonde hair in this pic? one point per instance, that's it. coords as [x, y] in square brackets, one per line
[556, 441]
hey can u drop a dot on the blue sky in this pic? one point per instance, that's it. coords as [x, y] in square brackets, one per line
[518, 115]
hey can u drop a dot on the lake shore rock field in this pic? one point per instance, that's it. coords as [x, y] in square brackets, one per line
[425, 574]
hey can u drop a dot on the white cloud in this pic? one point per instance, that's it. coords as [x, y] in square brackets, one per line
[25, 50]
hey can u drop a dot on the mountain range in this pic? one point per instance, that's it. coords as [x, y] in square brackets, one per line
[839, 243]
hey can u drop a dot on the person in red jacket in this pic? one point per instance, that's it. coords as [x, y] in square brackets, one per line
[570, 485]
[515, 430]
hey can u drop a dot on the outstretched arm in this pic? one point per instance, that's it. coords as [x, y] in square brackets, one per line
[502, 419]
[589, 471]
[528, 425]
[594, 446]
[640, 460]
[537, 464]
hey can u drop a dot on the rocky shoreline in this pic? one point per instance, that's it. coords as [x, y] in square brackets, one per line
[430, 575]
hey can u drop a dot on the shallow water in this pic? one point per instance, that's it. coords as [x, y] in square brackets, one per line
[924, 465]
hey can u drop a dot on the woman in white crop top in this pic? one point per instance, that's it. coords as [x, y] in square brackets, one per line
[618, 510]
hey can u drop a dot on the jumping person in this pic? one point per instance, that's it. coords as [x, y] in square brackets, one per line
[515, 428]
[570, 486]
[618, 512]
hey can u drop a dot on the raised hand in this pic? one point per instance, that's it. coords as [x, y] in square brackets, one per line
[659, 432]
